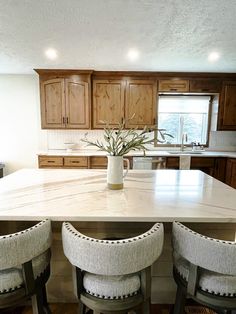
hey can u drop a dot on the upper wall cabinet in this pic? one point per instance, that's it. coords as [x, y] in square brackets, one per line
[141, 100]
[65, 101]
[227, 107]
[174, 85]
[108, 102]
[205, 85]
[115, 100]
[52, 103]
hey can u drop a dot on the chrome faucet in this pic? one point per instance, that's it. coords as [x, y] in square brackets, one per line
[184, 138]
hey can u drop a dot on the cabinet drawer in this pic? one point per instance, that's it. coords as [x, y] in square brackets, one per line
[173, 86]
[202, 162]
[205, 85]
[50, 161]
[98, 162]
[76, 162]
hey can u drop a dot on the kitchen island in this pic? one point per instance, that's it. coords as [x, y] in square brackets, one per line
[82, 197]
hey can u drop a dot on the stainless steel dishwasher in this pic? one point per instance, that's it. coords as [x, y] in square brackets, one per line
[149, 163]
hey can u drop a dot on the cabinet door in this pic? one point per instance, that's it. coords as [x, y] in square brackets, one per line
[77, 104]
[205, 85]
[227, 107]
[173, 85]
[108, 102]
[141, 99]
[52, 104]
[220, 168]
[231, 172]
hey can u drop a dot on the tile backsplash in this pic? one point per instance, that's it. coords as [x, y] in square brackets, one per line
[55, 139]
[223, 140]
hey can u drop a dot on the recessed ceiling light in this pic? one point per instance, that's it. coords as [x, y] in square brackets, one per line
[133, 54]
[51, 54]
[213, 56]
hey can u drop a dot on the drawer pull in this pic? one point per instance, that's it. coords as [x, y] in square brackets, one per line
[75, 162]
[51, 161]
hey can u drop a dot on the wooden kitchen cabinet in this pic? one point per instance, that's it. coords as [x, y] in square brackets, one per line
[220, 169]
[50, 161]
[227, 107]
[231, 172]
[98, 162]
[174, 85]
[205, 164]
[77, 104]
[52, 103]
[214, 166]
[141, 100]
[116, 100]
[65, 99]
[108, 102]
[203, 85]
[75, 162]
[62, 162]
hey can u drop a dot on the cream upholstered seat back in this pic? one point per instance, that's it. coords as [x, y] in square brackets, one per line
[18, 248]
[108, 257]
[212, 254]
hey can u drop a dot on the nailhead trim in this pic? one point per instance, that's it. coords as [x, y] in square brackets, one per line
[123, 241]
[231, 295]
[203, 236]
[23, 231]
[120, 297]
[10, 289]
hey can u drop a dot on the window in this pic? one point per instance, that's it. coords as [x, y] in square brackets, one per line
[184, 114]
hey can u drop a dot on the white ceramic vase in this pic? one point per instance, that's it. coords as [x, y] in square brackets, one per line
[115, 172]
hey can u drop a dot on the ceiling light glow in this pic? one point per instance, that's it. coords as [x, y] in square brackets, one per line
[133, 54]
[213, 56]
[51, 54]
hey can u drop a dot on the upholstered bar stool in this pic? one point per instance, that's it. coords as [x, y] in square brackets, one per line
[204, 270]
[113, 276]
[25, 267]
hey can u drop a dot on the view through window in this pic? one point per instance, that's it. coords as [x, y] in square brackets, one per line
[184, 114]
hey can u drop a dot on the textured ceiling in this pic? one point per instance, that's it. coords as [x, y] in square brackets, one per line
[171, 35]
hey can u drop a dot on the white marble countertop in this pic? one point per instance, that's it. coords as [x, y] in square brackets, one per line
[82, 195]
[161, 153]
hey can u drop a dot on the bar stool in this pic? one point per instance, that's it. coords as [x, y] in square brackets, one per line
[112, 275]
[25, 267]
[204, 270]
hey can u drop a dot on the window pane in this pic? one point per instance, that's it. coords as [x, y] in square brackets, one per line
[178, 114]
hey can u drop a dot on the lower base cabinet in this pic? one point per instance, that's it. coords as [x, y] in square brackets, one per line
[221, 168]
[63, 162]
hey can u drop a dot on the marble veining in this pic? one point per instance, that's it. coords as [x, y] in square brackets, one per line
[82, 195]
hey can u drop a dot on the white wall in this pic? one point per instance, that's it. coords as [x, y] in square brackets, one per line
[20, 121]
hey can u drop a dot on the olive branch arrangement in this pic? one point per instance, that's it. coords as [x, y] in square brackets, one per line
[119, 141]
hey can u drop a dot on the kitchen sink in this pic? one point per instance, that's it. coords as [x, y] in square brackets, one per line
[191, 152]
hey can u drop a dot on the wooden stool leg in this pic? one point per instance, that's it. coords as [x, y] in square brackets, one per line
[81, 308]
[38, 303]
[146, 307]
[45, 301]
[179, 301]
